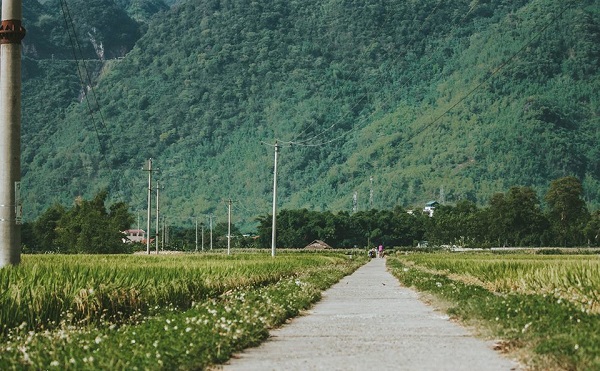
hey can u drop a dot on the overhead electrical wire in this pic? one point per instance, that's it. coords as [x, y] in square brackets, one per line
[79, 59]
[504, 64]
[75, 46]
[311, 142]
[308, 141]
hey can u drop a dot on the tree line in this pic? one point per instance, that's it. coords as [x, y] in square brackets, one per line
[91, 227]
[87, 227]
[514, 218]
[517, 217]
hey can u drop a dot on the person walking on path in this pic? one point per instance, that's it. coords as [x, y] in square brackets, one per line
[381, 251]
[368, 321]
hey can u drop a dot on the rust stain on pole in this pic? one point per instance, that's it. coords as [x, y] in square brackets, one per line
[11, 32]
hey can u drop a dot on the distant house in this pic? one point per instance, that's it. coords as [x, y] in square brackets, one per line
[318, 245]
[430, 207]
[134, 235]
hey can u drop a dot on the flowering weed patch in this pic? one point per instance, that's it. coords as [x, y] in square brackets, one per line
[525, 300]
[176, 337]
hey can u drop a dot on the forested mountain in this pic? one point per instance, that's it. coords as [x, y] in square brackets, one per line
[447, 100]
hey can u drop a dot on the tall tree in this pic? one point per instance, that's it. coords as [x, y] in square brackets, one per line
[89, 228]
[592, 229]
[516, 217]
[567, 210]
[44, 230]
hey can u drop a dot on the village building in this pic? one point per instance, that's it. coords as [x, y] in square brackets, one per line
[430, 207]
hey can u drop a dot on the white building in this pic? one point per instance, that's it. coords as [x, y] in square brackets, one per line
[134, 235]
[430, 207]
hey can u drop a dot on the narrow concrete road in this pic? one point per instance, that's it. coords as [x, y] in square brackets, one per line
[368, 321]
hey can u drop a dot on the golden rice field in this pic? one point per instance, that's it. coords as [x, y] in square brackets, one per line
[542, 309]
[124, 312]
[574, 278]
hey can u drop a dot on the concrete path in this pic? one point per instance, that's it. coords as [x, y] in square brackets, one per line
[368, 321]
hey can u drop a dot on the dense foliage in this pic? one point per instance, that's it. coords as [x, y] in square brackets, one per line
[468, 97]
[298, 228]
[87, 227]
[517, 219]
[514, 218]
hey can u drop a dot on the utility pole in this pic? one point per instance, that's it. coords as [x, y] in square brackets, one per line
[371, 194]
[11, 34]
[229, 227]
[229, 202]
[157, 217]
[196, 234]
[148, 168]
[165, 233]
[210, 220]
[202, 225]
[371, 208]
[355, 202]
[442, 196]
[274, 225]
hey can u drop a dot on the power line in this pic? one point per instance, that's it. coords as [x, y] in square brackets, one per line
[496, 71]
[75, 46]
[310, 142]
[89, 91]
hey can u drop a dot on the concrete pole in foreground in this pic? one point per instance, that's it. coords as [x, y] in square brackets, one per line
[11, 34]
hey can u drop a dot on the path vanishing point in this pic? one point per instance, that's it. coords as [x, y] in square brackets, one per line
[368, 321]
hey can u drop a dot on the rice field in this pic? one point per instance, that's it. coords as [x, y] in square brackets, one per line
[573, 278]
[152, 312]
[542, 309]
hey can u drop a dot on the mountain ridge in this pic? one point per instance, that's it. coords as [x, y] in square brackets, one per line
[362, 88]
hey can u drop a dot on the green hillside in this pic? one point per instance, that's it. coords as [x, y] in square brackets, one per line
[453, 100]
